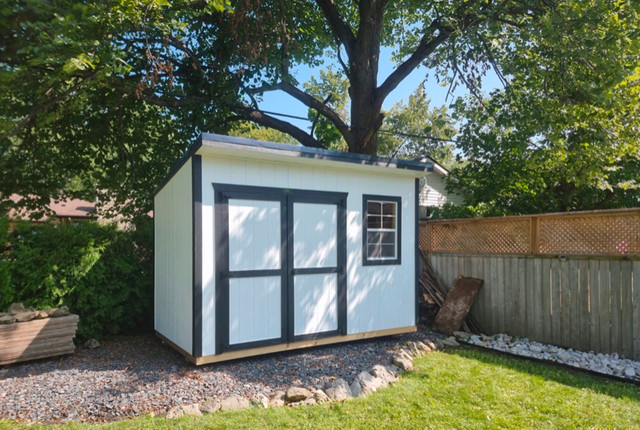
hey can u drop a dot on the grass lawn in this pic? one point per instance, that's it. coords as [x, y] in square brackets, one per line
[464, 388]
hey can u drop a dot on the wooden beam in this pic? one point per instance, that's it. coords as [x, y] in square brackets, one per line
[233, 355]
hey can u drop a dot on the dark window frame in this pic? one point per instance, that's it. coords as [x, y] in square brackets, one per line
[366, 260]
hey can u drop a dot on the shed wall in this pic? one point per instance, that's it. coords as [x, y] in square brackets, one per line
[174, 259]
[378, 297]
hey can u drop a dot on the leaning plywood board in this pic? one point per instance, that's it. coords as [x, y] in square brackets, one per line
[37, 339]
[457, 304]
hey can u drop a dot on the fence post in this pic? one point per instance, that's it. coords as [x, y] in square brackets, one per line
[533, 235]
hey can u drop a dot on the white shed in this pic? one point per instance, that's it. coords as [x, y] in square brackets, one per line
[263, 247]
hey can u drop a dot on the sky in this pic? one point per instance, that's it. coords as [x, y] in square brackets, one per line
[278, 101]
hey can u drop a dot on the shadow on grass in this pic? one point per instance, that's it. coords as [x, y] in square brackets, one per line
[553, 371]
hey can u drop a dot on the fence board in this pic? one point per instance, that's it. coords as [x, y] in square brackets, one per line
[565, 304]
[515, 303]
[605, 306]
[636, 309]
[626, 330]
[594, 305]
[546, 301]
[537, 298]
[508, 296]
[499, 300]
[556, 319]
[583, 304]
[522, 295]
[486, 268]
[616, 313]
[574, 308]
[476, 271]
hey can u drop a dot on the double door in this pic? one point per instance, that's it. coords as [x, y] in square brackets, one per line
[280, 263]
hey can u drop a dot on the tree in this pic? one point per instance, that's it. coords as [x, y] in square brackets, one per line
[563, 136]
[199, 68]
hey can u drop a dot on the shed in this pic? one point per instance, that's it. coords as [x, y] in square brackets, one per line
[263, 247]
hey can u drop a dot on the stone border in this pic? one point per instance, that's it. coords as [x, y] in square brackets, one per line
[365, 383]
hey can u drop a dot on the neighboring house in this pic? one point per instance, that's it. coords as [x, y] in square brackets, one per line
[433, 192]
[64, 211]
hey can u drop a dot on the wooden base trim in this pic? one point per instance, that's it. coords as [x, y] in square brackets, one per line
[233, 355]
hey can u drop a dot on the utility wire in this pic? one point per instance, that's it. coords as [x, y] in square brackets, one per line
[391, 132]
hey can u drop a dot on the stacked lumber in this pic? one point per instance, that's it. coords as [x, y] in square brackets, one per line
[39, 338]
[432, 291]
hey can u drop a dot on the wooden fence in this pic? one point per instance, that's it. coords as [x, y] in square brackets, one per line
[584, 294]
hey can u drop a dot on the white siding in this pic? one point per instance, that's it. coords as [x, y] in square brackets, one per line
[378, 297]
[434, 193]
[173, 259]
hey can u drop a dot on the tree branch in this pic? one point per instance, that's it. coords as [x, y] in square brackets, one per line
[254, 115]
[310, 102]
[338, 25]
[426, 47]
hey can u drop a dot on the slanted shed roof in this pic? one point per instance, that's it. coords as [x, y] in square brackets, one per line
[216, 144]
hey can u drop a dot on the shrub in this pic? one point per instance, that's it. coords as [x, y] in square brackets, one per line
[103, 274]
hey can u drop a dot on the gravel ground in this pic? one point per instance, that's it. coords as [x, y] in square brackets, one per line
[136, 375]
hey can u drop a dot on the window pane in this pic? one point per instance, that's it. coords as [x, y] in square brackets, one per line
[374, 208]
[388, 251]
[389, 209]
[373, 251]
[374, 222]
[373, 237]
[381, 237]
[389, 222]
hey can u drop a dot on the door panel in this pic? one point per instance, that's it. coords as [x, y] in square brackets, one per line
[254, 235]
[254, 309]
[315, 235]
[315, 303]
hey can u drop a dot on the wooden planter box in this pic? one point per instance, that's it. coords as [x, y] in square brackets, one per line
[35, 339]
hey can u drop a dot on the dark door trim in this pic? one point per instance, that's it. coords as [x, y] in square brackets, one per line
[286, 197]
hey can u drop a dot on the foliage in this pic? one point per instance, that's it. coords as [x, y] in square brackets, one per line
[407, 122]
[250, 130]
[458, 389]
[563, 135]
[103, 274]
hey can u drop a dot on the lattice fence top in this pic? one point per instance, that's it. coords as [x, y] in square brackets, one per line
[581, 233]
[617, 234]
[500, 237]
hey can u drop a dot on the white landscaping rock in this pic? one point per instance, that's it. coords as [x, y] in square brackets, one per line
[234, 403]
[383, 373]
[339, 390]
[608, 364]
[402, 361]
[365, 384]
[296, 394]
[178, 411]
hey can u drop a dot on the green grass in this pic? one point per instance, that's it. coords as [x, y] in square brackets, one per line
[465, 389]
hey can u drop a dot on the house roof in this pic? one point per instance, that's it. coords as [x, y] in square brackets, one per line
[216, 144]
[69, 208]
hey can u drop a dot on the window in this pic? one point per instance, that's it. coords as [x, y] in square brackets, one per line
[381, 233]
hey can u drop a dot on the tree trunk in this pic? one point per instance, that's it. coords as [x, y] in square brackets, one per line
[366, 116]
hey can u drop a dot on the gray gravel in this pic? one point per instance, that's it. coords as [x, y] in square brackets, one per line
[136, 375]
